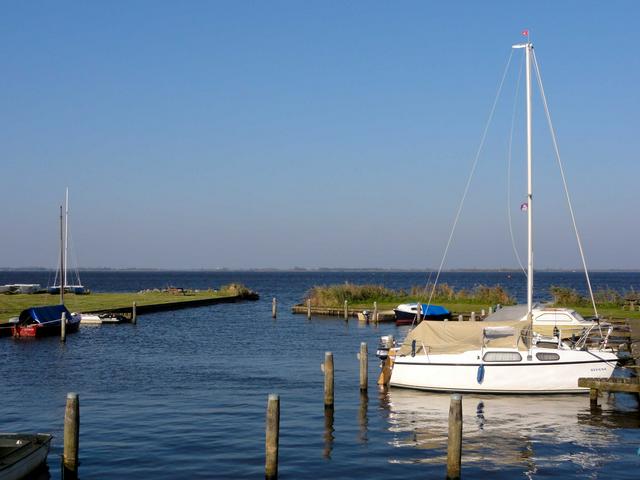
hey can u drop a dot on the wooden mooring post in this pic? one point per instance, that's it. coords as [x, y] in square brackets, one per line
[328, 432]
[454, 444]
[63, 327]
[134, 314]
[309, 308]
[364, 367]
[375, 312]
[473, 317]
[346, 310]
[272, 437]
[71, 437]
[274, 308]
[327, 368]
[460, 317]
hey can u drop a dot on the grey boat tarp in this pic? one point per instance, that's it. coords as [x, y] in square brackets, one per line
[458, 337]
[510, 313]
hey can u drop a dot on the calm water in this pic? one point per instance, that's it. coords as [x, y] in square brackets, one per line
[183, 394]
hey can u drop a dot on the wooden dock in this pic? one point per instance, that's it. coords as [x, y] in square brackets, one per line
[625, 337]
[142, 309]
[383, 315]
[614, 384]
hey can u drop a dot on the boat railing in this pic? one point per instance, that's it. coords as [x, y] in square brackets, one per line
[586, 334]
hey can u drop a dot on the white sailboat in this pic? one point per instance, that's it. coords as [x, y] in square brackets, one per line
[502, 356]
[62, 276]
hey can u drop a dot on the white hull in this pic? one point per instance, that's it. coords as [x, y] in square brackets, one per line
[89, 319]
[459, 372]
[94, 319]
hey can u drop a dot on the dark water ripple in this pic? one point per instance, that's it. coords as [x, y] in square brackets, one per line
[183, 394]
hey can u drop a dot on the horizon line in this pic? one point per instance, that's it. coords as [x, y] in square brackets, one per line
[311, 269]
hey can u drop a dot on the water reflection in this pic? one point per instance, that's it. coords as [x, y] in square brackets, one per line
[328, 433]
[363, 420]
[522, 431]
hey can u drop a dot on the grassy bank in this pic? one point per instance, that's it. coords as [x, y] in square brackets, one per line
[12, 305]
[464, 300]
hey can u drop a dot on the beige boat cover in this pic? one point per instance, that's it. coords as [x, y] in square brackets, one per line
[458, 337]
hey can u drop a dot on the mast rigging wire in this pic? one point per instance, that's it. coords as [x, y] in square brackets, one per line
[473, 169]
[564, 181]
[513, 121]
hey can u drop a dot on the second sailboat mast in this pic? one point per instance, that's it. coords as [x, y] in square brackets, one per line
[528, 48]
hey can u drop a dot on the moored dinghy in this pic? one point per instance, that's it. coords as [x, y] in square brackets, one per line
[45, 321]
[406, 313]
[22, 454]
[100, 318]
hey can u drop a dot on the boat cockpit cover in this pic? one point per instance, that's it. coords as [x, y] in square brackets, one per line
[507, 314]
[458, 337]
[43, 314]
[434, 310]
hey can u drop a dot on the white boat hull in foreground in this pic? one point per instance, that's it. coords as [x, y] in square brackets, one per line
[461, 372]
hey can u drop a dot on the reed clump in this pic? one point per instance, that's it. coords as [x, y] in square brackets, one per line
[335, 295]
[236, 289]
[605, 297]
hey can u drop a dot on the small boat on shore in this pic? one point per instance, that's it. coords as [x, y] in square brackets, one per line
[21, 454]
[45, 321]
[547, 321]
[21, 288]
[62, 275]
[406, 313]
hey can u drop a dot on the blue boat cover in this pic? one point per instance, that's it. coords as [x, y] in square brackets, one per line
[434, 310]
[43, 314]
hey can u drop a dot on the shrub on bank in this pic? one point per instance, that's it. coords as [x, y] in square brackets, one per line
[235, 289]
[606, 297]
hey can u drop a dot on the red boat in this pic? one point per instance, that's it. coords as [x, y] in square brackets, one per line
[45, 321]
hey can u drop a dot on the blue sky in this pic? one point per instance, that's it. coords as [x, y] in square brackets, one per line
[316, 134]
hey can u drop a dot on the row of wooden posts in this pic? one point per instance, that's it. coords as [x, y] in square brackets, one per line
[272, 434]
[274, 309]
[69, 463]
[374, 317]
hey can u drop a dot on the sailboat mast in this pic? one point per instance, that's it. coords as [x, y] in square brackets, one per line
[66, 236]
[61, 259]
[528, 48]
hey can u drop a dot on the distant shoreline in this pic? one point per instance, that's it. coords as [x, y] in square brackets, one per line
[318, 270]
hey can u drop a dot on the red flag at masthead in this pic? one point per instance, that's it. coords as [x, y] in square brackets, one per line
[525, 33]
